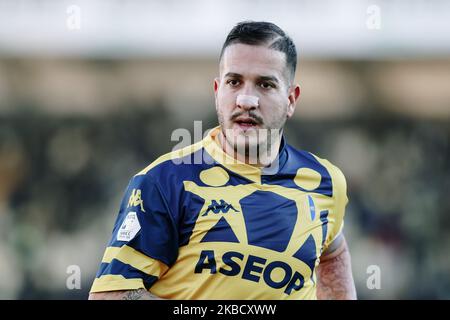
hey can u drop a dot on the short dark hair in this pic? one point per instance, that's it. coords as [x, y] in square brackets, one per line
[260, 33]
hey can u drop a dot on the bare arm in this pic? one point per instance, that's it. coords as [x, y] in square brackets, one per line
[138, 294]
[335, 280]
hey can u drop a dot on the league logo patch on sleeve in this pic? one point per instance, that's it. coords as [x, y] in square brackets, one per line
[129, 228]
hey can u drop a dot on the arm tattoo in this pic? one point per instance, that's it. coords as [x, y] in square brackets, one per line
[335, 280]
[139, 294]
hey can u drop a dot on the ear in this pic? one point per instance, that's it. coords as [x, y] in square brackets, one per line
[216, 88]
[216, 85]
[294, 94]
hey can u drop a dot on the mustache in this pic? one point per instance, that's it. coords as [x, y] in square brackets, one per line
[251, 115]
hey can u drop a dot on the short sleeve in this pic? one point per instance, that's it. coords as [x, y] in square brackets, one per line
[144, 241]
[337, 212]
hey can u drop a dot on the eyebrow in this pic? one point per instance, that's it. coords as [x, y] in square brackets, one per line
[263, 78]
[269, 78]
[232, 75]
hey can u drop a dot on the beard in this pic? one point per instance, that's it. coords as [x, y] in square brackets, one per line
[251, 144]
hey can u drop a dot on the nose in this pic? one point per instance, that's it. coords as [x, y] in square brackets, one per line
[247, 102]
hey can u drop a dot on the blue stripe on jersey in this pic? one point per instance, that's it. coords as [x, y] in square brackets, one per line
[312, 208]
[324, 219]
[117, 267]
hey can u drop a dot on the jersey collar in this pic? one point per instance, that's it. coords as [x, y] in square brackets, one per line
[253, 173]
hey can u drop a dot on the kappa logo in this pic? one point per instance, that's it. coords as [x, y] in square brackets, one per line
[136, 200]
[216, 207]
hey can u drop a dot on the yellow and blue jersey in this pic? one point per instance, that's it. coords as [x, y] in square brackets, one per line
[197, 224]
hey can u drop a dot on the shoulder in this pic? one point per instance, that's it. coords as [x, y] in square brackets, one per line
[338, 183]
[158, 187]
[336, 174]
[307, 162]
[166, 175]
[172, 160]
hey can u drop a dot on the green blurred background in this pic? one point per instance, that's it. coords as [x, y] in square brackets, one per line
[90, 92]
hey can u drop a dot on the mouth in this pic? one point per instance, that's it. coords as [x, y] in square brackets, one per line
[246, 123]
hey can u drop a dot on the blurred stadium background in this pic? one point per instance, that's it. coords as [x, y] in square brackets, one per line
[90, 92]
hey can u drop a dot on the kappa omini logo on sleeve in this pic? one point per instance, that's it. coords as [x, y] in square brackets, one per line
[129, 228]
[136, 199]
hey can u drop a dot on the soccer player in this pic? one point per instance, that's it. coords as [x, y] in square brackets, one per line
[254, 218]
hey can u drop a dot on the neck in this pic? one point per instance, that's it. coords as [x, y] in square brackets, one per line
[264, 156]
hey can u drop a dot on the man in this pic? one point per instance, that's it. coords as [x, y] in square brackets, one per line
[255, 219]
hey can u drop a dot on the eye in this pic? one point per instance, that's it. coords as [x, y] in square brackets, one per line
[267, 85]
[233, 82]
